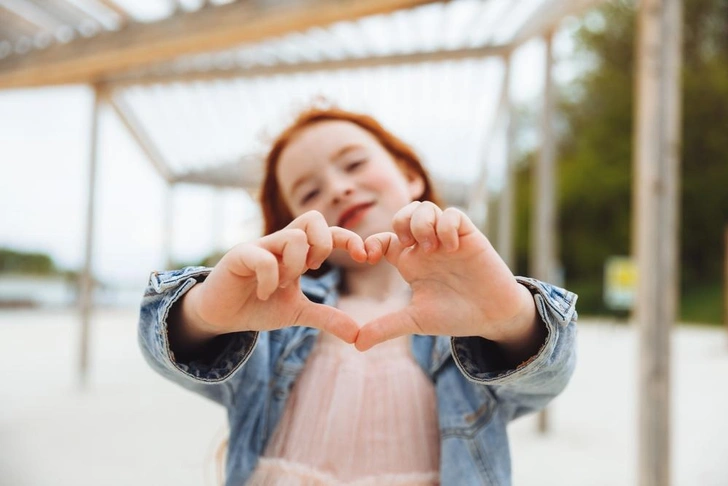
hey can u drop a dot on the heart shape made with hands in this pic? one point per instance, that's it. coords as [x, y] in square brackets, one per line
[450, 266]
[460, 285]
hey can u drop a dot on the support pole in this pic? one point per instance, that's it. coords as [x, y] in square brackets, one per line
[168, 226]
[506, 207]
[543, 213]
[218, 220]
[479, 201]
[86, 286]
[657, 149]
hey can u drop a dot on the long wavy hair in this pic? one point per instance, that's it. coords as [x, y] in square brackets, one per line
[276, 214]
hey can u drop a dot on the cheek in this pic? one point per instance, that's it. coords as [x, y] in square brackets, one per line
[385, 177]
[392, 183]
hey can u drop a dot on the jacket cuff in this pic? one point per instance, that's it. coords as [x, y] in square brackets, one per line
[482, 361]
[229, 351]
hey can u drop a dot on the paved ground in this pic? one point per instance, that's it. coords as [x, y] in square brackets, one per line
[130, 427]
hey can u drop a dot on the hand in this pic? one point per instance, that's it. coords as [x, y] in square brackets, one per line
[256, 286]
[460, 285]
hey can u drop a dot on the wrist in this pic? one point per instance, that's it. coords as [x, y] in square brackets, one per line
[522, 337]
[185, 322]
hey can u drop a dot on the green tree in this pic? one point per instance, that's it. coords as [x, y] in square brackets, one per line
[595, 153]
[12, 261]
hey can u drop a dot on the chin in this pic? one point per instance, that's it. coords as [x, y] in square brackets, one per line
[366, 230]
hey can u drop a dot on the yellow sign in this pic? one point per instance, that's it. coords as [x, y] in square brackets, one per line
[620, 283]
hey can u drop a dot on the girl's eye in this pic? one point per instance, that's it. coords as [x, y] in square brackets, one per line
[354, 165]
[309, 195]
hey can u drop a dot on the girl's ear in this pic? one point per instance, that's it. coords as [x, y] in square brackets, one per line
[415, 183]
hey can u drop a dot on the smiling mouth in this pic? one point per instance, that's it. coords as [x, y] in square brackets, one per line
[353, 215]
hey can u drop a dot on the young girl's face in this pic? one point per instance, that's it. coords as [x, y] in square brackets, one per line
[341, 170]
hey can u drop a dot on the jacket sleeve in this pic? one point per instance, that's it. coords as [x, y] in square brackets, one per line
[215, 375]
[532, 384]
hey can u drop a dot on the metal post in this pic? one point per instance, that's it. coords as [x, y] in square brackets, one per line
[543, 212]
[86, 286]
[168, 226]
[506, 207]
[218, 220]
[479, 202]
[657, 150]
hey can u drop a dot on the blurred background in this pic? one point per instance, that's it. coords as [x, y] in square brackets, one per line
[131, 140]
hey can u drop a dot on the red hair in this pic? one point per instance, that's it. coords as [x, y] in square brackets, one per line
[276, 214]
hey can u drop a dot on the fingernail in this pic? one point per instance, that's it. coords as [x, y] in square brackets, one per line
[427, 245]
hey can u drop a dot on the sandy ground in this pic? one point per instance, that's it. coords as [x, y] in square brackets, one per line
[131, 427]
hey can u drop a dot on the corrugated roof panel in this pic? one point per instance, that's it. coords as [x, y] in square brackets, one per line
[514, 19]
[441, 109]
[148, 10]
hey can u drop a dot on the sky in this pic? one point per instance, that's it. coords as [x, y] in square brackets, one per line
[44, 158]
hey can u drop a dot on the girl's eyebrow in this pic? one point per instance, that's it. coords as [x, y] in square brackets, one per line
[344, 150]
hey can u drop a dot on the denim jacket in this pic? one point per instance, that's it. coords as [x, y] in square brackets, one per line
[252, 375]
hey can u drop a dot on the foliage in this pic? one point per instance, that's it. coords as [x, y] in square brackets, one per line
[12, 261]
[595, 153]
[207, 261]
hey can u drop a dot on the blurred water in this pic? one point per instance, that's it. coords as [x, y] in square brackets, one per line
[33, 291]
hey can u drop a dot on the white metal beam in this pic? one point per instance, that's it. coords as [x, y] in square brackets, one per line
[507, 201]
[310, 67]
[87, 281]
[145, 142]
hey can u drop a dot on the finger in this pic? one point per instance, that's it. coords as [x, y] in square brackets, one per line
[253, 260]
[383, 245]
[448, 227]
[319, 237]
[401, 223]
[345, 239]
[397, 324]
[329, 319]
[422, 225]
[291, 245]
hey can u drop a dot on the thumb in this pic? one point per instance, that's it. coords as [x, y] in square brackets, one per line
[390, 326]
[329, 319]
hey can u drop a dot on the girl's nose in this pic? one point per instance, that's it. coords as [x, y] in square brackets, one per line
[341, 189]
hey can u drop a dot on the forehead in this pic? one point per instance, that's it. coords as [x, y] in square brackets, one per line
[324, 139]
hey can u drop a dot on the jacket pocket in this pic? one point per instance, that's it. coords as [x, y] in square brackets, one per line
[464, 407]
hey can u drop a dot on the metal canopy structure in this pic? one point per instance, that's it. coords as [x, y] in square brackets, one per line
[172, 80]
[201, 84]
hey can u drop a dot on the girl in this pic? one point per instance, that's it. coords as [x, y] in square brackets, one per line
[370, 337]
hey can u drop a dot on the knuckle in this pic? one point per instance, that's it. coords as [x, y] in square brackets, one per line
[313, 216]
[268, 261]
[296, 235]
[428, 205]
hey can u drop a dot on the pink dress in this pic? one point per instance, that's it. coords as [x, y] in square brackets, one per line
[357, 419]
